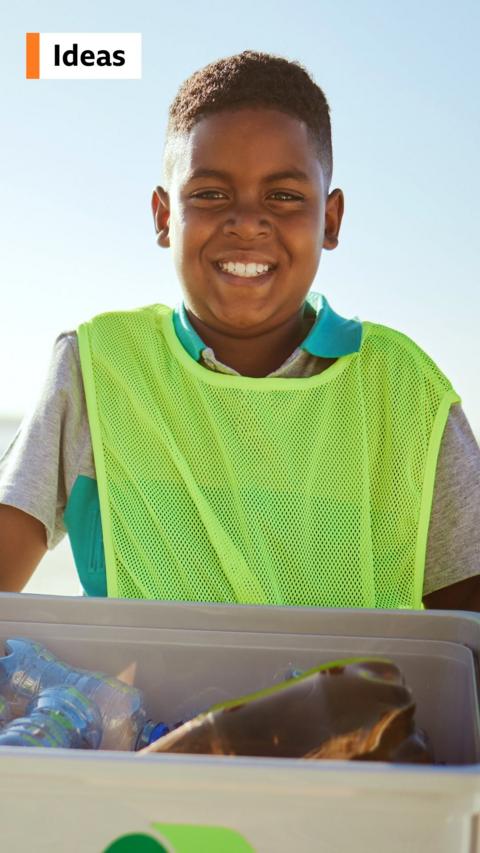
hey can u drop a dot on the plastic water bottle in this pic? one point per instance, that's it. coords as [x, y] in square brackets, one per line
[57, 717]
[25, 670]
[29, 668]
[121, 707]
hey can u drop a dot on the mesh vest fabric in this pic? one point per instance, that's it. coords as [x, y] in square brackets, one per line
[216, 488]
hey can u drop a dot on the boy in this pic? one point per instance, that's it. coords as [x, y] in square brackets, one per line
[252, 446]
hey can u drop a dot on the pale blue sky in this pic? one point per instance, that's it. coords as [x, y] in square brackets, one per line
[79, 160]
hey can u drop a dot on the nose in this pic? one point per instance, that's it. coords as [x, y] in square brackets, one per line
[247, 221]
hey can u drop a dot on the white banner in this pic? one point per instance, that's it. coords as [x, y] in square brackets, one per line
[84, 56]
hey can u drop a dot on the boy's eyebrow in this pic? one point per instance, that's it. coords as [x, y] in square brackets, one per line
[294, 174]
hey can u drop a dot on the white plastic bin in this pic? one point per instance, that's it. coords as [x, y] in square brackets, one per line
[187, 656]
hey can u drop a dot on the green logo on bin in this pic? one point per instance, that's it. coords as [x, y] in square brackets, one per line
[182, 838]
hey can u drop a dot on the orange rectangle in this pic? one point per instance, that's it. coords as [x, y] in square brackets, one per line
[33, 56]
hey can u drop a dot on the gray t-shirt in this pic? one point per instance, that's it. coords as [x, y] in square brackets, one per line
[53, 447]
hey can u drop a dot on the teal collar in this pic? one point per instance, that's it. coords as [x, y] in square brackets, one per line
[331, 336]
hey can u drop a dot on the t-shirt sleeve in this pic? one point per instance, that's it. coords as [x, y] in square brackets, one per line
[39, 467]
[453, 549]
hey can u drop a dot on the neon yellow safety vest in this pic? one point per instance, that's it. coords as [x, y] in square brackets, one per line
[314, 491]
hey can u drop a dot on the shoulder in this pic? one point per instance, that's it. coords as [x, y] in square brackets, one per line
[64, 361]
[389, 349]
[65, 346]
[126, 316]
[383, 337]
[121, 332]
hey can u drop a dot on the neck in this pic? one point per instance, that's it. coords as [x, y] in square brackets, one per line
[258, 355]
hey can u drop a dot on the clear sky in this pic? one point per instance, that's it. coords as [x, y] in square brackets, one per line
[79, 161]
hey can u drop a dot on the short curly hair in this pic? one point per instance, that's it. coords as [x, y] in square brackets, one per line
[251, 79]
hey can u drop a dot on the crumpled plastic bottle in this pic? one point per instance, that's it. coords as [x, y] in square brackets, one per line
[358, 709]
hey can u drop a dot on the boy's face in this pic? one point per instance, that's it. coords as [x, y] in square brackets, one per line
[237, 195]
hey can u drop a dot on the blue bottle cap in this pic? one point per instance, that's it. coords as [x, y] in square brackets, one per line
[151, 732]
[158, 731]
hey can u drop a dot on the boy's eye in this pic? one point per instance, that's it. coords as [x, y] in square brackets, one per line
[289, 196]
[208, 194]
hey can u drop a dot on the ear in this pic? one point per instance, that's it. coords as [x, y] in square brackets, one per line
[161, 216]
[333, 219]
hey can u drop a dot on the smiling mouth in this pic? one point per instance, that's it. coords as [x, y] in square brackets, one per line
[241, 273]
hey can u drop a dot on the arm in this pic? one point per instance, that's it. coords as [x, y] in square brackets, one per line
[34, 470]
[464, 595]
[23, 543]
[452, 570]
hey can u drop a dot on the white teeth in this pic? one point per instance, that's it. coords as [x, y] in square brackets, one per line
[245, 270]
